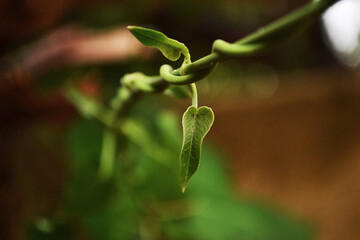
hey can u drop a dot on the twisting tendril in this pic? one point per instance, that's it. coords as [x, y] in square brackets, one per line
[265, 39]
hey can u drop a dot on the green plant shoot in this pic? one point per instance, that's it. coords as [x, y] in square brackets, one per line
[196, 121]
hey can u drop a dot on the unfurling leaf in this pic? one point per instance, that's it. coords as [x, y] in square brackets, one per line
[170, 48]
[196, 124]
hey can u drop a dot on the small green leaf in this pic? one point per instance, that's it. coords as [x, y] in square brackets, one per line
[196, 124]
[170, 48]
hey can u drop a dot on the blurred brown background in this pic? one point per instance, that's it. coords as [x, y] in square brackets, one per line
[299, 148]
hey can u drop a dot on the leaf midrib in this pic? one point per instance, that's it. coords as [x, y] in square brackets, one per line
[160, 40]
[192, 137]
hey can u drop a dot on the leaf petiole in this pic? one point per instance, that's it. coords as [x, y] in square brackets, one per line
[194, 95]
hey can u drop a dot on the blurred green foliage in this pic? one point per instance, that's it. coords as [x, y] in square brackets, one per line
[143, 199]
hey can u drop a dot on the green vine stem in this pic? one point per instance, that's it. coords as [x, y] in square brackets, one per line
[169, 76]
[108, 154]
[259, 41]
[264, 39]
[194, 95]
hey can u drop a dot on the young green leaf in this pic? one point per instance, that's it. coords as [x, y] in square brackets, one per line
[196, 124]
[170, 48]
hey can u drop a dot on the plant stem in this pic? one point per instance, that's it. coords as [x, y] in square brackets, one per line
[263, 39]
[294, 18]
[194, 94]
[201, 63]
[108, 154]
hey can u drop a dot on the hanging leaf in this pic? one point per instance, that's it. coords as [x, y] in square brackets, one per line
[170, 48]
[196, 124]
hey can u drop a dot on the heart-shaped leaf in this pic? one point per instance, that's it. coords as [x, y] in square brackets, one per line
[196, 124]
[170, 48]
